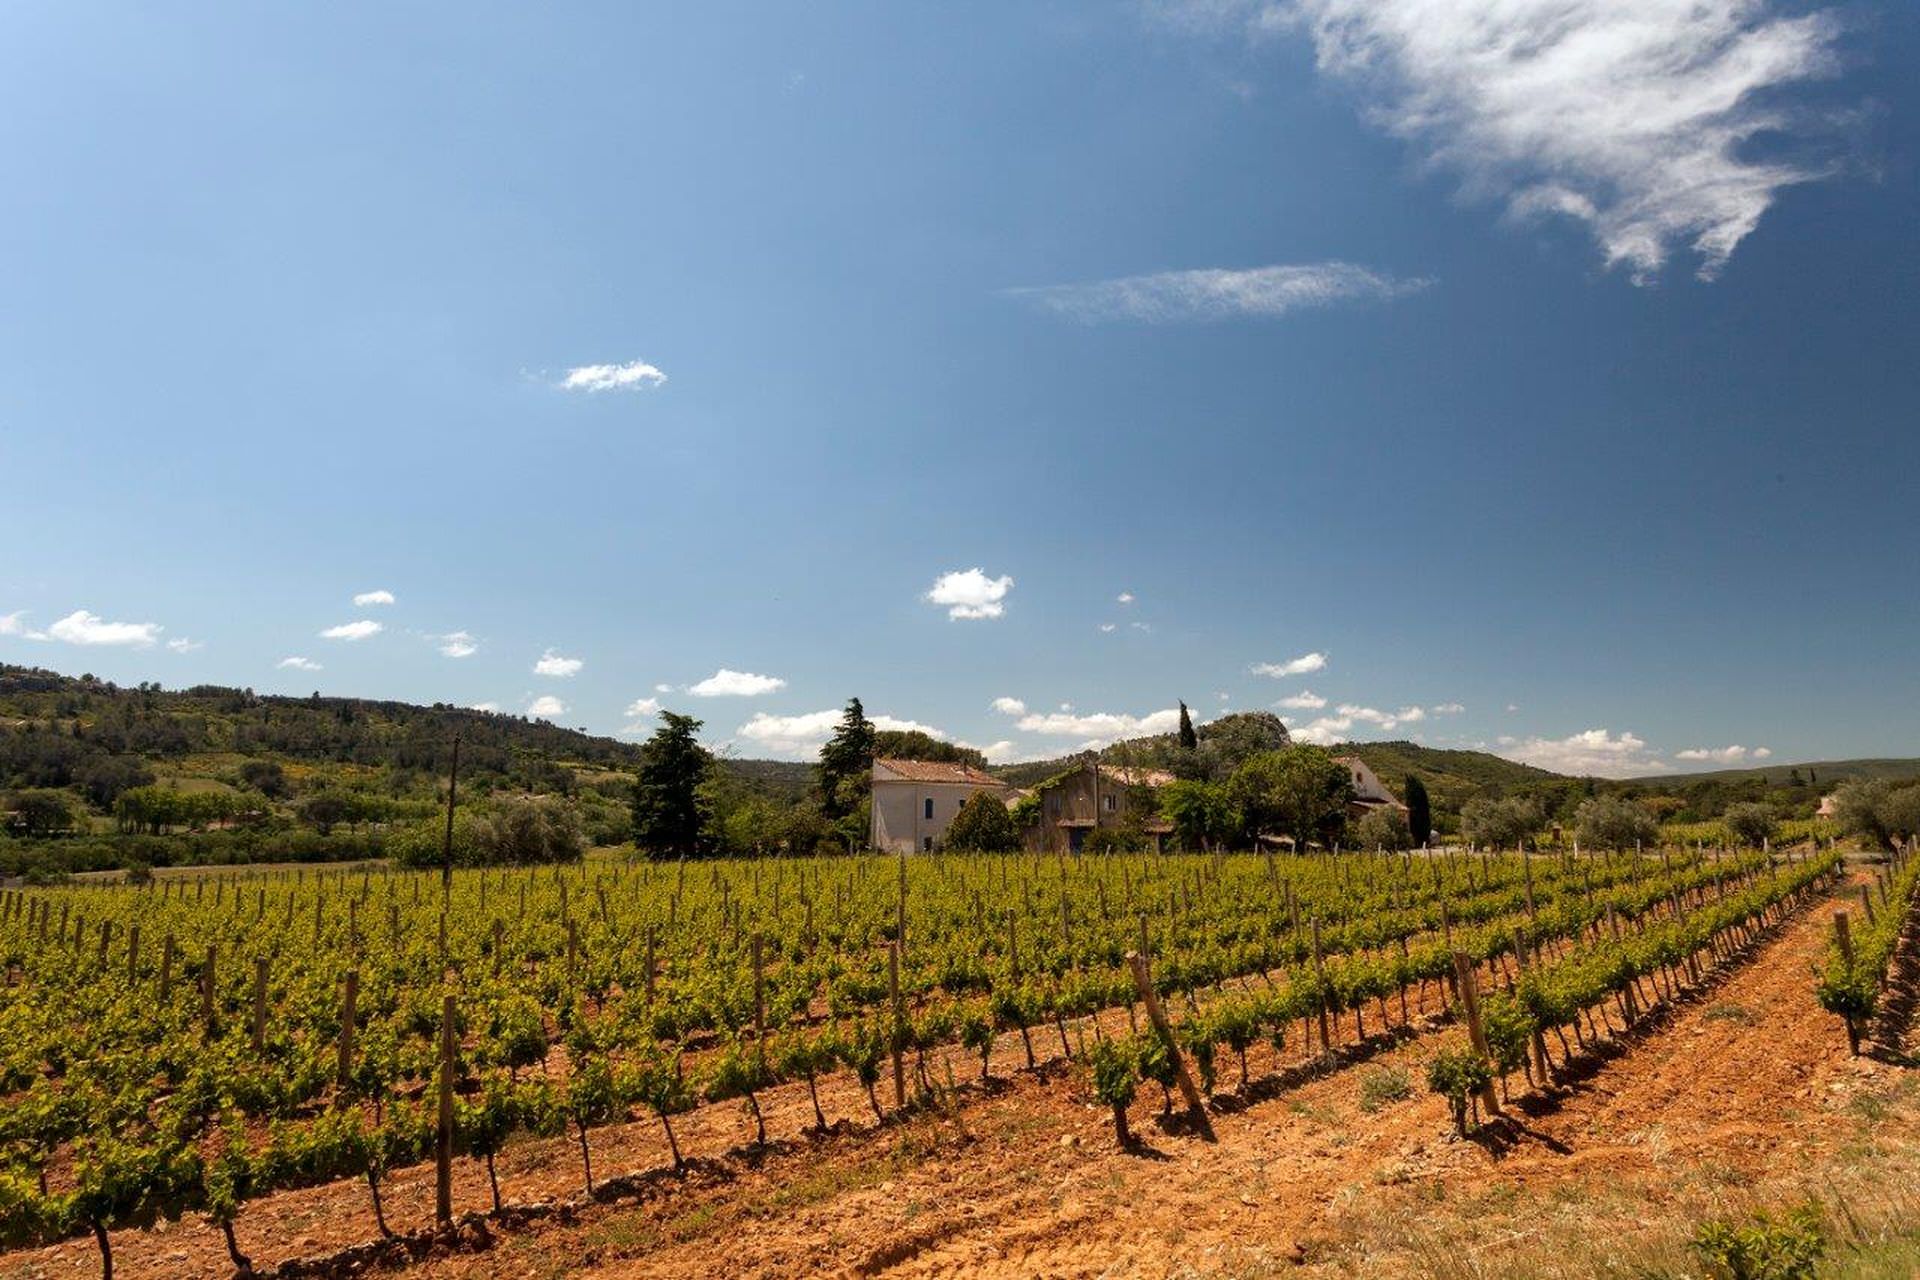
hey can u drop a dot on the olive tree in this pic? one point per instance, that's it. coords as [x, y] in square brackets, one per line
[1382, 828]
[1610, 822]
[1750, 824]
[1500, 823]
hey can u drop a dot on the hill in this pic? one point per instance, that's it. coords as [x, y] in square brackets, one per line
[1826, 773]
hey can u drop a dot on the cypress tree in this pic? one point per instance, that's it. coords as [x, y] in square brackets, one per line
[1419, 811]
[1189, 740]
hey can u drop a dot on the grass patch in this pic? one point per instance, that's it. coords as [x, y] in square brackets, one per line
[1734, 1013]
[1383, 1086]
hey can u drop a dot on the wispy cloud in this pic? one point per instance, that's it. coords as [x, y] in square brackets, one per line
[359, 630]
[1593, 751]
[1305, 700]
[81, 627]
[970, 593]
[727, 683]
[1447, 709]
[1125, 597]
[803, 735]
[1010, 706]
[1734, 754]
[1633, 117]
[1217, 293]
[492, 708]
[1305, 664]
[13, 624]
[1103, 726]
[457, 644]
[635, 375]
[638, 712]
[373, 597]
[181, 644]
[546, 707]
[553, 664]
[297, 663]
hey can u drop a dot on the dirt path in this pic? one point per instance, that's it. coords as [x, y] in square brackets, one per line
[1025, 1180]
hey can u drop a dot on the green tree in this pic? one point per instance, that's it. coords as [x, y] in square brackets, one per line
[1381, 828]
[1300, 792]
[1500, 823]
[846, 763]
[39, 812]
[1189, 740]
[1419, 811]
[1614, 822]
[1750, 824]
[1203, 814]
[983, 825]
[670, 809]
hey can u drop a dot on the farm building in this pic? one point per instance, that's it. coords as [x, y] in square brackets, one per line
[914, 801]
[1369, 792]
[1092, 797]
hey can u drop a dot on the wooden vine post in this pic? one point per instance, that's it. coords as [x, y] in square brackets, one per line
[1470, 1001]
[1538, 1039]
[349, 997]
[259, 1003]
[1143, 985]
[899, 1020]
[443, 1129]
[1843, 938]
[207, 977]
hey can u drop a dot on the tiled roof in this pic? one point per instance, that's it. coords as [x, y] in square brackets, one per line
[932, 771]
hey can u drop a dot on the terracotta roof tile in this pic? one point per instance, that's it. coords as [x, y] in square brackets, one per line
[933, 771]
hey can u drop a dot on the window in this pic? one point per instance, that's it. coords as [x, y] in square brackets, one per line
[929, 812]
[926, 846]
[1110, 798]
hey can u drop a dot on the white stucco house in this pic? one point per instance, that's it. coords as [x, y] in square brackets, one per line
[914, 801]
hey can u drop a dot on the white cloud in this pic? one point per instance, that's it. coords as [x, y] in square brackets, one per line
[1305, 664]
[1000, 752]
[1217, 293]
[181, 644]
[1323, 732]
[633, 376]
[803, 735]
[726, 683]
[1595, 751]
[790, 735]
[663, 688]
[1381, 719]
[970, 593]
[457, 644]
[1100, 726]
[893, 724]
[1305, 700]
[640, 709]
[546, 707]
[489, 707]
[1724, 755]
[298, 663]
[552, 664]
[81, 627]
[1125, 597]
[1447, 709]
[13, 624]
[373, 597]
[1010, 706]
[1633, 117]
[1140, 626]
[353, 630]
[1106, 626]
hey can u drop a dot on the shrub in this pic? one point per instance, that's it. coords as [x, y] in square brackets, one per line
[1500, 824]
[1383, 1085]
[1750, 824]
[983, 825]
[1382, 828]
[518, 830]
[1610, 822]
[1766, 1248]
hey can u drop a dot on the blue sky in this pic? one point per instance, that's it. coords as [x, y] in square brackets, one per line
[1549, 372]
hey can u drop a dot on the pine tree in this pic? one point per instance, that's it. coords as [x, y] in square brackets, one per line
[846, 761]
[1189, 740]
[1419, 812]
[670, 808]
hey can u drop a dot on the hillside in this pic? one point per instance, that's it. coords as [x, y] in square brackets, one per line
[1825, 773]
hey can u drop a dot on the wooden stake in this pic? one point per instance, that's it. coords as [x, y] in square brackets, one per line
[349, 997]
[443, 1129]
[1470, 1000]
[1143, 985]
[259, 1003]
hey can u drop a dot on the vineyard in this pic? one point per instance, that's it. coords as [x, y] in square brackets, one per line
[187, 1046]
